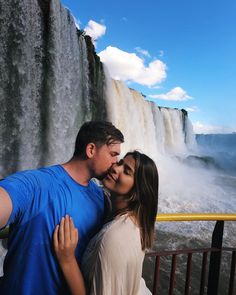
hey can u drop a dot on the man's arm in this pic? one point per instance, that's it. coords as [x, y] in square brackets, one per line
[5, 207]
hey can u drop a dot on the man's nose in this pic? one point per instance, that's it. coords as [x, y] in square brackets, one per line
[114, 160]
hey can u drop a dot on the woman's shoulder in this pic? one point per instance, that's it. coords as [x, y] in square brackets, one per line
[121, 223]
[121, 230]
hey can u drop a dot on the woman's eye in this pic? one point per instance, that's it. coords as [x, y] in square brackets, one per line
[127, 172]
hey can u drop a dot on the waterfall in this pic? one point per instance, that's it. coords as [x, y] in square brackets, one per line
[151, 129]
[50, 83]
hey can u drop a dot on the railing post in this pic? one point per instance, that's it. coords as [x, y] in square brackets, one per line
[232, 273]
[156, 275]
[215, 258]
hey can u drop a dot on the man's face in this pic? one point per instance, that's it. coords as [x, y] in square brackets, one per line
[105, 156]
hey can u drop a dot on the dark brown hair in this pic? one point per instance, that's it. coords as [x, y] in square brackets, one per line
[97, 132]
[143, 199]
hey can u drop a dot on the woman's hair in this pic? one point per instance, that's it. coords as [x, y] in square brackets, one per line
[143, 199]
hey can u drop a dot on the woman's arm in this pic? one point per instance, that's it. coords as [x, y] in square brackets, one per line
[65, 239]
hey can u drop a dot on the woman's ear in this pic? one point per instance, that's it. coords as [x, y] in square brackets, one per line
[90, 150]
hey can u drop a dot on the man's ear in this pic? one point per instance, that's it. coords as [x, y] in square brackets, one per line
[90, 150]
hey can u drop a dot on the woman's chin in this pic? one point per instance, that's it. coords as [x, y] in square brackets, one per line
[107, 183]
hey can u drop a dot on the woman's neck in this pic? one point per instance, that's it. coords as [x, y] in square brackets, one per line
[120, 203]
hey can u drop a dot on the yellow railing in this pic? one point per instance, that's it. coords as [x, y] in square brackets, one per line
[195, 217]
[210, 267]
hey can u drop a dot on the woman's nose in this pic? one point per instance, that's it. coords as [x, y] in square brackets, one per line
[116, 168]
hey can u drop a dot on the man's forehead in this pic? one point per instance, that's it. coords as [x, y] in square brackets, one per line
[114, 146]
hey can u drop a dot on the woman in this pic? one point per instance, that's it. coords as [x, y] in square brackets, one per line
[112, 263]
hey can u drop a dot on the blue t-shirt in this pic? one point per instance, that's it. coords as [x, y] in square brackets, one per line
[40, 199]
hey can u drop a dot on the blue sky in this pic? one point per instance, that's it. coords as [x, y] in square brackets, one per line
[179, 53]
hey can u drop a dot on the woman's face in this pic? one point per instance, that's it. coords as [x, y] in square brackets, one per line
[120, 179]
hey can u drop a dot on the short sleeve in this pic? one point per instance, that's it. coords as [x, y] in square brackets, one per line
[20, 187]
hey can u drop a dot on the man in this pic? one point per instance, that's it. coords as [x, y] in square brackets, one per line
[33, 202]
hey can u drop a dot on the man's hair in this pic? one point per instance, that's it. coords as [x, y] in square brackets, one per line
[97, 132]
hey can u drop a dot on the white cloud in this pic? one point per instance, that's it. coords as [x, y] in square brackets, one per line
[192, 109]
[176, 94]
[124, 19]
[156, 87]
[95, 30]
[201, 128]
[128, 66]
[142, 51]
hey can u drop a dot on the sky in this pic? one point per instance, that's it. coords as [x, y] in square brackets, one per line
[178, 53]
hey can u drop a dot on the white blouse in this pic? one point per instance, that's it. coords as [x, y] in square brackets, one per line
[112, 263]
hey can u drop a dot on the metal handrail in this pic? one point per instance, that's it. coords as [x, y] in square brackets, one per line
[195, 217]
[215, 254]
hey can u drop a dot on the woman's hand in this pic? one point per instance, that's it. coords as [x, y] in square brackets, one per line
[65, 239]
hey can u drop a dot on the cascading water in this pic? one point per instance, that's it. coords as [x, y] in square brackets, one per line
[153, 130]
[47, 84]
[165, 135]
